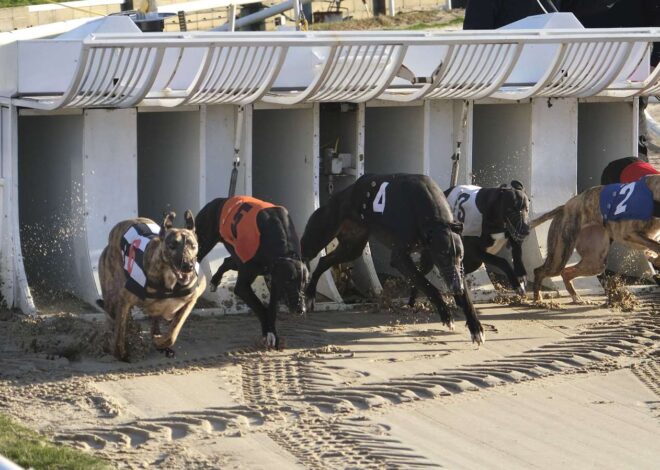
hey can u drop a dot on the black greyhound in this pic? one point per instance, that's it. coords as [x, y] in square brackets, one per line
[408, 213]
[491, 217]
[261, 240]
[626, 170]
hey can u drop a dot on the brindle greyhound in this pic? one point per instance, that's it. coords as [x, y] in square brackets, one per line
[490, 217]
[153, 268]
[583, 224]
[261, 240]
[408, 213]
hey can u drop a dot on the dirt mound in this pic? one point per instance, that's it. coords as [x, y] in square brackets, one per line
[72, 337]
[618, 296]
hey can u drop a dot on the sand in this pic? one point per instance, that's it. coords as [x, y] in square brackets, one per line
[575, 387]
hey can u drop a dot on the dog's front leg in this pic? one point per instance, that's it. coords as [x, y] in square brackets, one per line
[120, 323]
[518, 268]
[474, 325]
[243, 290]
[167, 341]
[425, 267]
[272, 340]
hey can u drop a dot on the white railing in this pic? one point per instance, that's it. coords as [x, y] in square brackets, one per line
[171, 69]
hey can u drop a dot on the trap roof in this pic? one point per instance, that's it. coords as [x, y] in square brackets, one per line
[107, 63]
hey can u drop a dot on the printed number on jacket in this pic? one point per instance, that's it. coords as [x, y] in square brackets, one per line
[379, 200]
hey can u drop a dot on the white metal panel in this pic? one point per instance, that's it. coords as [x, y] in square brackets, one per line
[51, 192]
[607, 131]
[168, 163]
[285, 167]
[110, 193]
[14, 286]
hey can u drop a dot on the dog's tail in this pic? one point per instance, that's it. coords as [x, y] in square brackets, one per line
[547, 216]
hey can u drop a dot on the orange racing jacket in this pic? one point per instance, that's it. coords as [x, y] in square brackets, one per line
[238, 225]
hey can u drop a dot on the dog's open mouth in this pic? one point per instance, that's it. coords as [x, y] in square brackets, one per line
[185, 276]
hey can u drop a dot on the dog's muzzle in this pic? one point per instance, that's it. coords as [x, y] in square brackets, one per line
[186, 274]
[518, 231]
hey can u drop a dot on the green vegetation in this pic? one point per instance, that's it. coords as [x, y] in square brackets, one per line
[455, 23]
[20, 3]
[29, 449]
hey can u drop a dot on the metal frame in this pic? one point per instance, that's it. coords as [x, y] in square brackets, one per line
[124, 70]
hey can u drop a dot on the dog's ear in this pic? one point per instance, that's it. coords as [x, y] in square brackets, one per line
[515, 184]
[190, 220]
[167, 224]
[502, 186]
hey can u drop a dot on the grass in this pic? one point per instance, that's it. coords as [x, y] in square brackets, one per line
[20, 3]
[31, 450]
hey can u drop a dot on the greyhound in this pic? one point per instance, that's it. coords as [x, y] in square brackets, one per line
[406, 212]
[154, 268]
[626, 213]
[490, 217]
[261, 240]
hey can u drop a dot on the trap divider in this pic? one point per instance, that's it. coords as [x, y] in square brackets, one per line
[607, 131]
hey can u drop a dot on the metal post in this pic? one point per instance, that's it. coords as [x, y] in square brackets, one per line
[231, 18]
[296, 13]
[448, 5]
[391, 7]
[456, 158]
[238, 137]
[261, 15]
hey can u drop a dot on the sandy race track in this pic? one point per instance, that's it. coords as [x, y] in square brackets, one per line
[574, 387]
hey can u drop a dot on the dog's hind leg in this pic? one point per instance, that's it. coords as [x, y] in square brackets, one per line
[504, 266]
[120, 324]
[229, 264]
[593, 244]
[351, 244]
[561, 242]
[404, 264]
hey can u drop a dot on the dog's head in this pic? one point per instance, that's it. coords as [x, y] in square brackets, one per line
[179, 248]
[289, 276]
[513, 210]
[446, 247]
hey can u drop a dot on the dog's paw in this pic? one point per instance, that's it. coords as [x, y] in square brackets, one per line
[169, 352]
[270, 339]
[478, 337]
